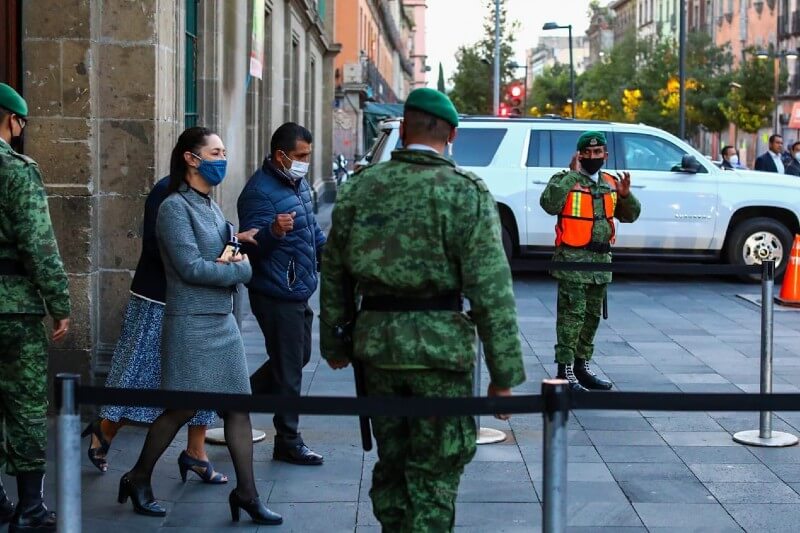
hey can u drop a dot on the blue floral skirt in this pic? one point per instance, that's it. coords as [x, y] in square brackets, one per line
[136, 363]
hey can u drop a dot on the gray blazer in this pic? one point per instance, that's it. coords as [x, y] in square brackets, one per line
[192, 232]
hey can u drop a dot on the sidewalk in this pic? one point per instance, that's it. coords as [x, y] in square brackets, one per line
[628, 471]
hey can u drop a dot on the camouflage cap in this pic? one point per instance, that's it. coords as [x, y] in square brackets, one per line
[434, 103]
[591, 138]
[11, 100]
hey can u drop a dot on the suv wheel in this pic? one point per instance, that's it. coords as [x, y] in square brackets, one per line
[757, 240]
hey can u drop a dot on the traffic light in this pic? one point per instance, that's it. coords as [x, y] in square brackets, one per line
[503, 111]
[516, 95]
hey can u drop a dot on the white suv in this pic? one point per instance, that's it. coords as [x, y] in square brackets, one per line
[691, 210]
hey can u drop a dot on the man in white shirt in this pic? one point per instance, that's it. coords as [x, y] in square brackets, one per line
[772, 159]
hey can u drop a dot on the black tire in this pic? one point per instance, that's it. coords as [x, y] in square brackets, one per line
[759, 238]
[508, 244]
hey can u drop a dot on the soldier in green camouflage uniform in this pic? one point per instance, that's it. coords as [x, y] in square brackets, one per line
[581, 294]
[411, 236]
[32, 282]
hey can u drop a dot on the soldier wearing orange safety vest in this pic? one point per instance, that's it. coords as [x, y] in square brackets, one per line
[586, 202]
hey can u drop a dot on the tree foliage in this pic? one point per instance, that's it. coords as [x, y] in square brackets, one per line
[473, 90]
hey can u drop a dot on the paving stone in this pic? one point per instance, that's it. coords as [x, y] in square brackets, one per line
[651, 471]
[689, 422]
[496, 471]
[301, 491]
[753, 493]
[685, 516]
[478, 490]
[637, 454]
[604, 423]
[627, 438]
[495, 516]
[765, 517]
[733, 473]
[666, 491]
[601, 515]
[699, 438]
[715, 454]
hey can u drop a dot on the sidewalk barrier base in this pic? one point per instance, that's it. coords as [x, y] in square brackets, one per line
[217, 436]
[490, 436]
[753, 438]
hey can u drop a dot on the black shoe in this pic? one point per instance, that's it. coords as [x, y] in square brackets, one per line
[565, 372]
[589, 379]
[255, 508]
[97, 455]
[141, 496]
[297, 454]
[6, 510]
[31, 515]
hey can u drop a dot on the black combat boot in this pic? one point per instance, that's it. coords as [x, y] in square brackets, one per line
[565, 372]
[6, 507]
[588, 378]
[31, 515]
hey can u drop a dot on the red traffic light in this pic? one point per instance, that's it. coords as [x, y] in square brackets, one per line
[516, 91]
[503, 111]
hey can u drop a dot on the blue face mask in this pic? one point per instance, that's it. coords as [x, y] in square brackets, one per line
[212, 171]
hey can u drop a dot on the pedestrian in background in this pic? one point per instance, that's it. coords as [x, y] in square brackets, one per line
[136, 363]
[283, 238]
[414, 236]
[586, 202]
[201, 346]
[730, 159]
[793, 166]
[772, 159]
[32, 282]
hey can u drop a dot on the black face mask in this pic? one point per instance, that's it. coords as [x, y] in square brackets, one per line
[592, 165]
[16, 141]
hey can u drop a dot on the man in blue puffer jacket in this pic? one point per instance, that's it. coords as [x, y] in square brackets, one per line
[284, 242]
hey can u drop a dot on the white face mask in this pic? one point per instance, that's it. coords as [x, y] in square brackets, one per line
[298, 169]
[734, 159]
[797, 155]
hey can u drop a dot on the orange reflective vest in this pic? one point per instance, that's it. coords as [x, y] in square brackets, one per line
[577, 218]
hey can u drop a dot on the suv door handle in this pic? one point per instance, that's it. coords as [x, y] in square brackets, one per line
[539, 182]
[638, 186]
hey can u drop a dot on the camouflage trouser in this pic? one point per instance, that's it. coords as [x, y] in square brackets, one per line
[579, 307]
[23, 393]
[420, 460]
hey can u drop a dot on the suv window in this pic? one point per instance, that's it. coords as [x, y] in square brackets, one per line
[539, 149]
[648, 152]
[475, 147]
[377, 148]
[563, 147]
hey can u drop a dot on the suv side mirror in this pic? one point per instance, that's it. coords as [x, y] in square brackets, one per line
[689, 164]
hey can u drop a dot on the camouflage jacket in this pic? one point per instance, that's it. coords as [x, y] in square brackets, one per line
[552, 201]
[419, 226]
[26, 236]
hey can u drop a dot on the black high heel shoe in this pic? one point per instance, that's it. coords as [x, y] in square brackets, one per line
[204, 469]
[141, 496]
[97, 455]
[255, 508]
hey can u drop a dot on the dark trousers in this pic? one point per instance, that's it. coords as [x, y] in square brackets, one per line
[287, 334]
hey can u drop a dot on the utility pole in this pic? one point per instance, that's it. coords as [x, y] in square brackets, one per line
[682, 70]
[496, 102]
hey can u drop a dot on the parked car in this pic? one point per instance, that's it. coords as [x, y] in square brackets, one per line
[691, 209]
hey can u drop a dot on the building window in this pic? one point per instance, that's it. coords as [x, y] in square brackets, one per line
[190, 115]
[295, 110]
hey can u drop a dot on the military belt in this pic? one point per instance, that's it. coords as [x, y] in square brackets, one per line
[390, 303]
[12, 267]
[598, 247]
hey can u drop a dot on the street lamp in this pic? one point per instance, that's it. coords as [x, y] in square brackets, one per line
[555, 26]
[513, 65]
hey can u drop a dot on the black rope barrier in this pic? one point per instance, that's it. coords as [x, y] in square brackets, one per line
[674, 269]
[401, 406]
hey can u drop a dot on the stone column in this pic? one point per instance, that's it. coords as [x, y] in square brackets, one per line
[101, 80]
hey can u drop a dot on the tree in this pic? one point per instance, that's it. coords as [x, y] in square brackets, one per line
[472, 91]
[440, 81]
[550, 91]
[750, 103]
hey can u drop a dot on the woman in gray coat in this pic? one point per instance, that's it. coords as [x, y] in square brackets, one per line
[201, 347]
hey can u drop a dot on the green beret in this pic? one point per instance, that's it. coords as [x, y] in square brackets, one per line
[11, 100]
[434, 103]
[591, 138]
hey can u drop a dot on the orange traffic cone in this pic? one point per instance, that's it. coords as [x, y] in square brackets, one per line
[790, 290]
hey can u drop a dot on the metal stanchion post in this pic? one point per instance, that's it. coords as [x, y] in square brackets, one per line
[554, 490]
[68, 465]
[764, 436]
[485, 435]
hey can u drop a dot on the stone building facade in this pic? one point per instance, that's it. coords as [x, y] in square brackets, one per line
[112, 83]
